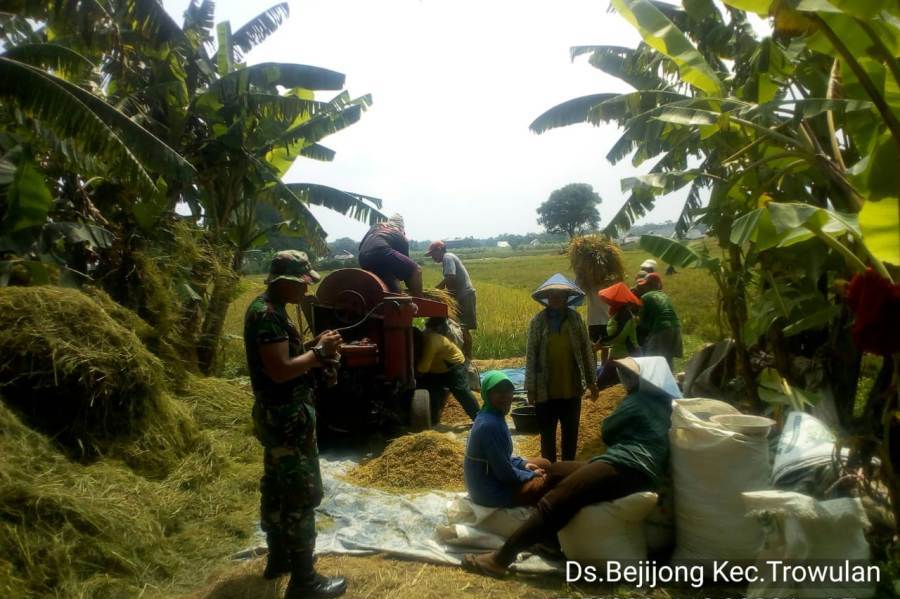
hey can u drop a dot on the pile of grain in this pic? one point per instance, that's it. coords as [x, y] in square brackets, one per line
[423, 461]
[453, 413]
[590, 443]
[596, 261]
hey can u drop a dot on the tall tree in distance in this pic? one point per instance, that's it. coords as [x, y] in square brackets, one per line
[571, 210]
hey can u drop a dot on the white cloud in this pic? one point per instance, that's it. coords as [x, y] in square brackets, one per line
[455, 84]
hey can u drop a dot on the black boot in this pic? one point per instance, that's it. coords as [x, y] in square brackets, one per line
[307, 583]
[278, 560]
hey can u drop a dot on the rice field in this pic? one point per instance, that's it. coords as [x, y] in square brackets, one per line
[505, 307]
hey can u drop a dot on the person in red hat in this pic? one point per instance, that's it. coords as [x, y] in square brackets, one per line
[659, 329]
[456, 280]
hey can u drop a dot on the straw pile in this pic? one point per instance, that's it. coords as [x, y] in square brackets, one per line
[102, 530]
[596, 261]
[71, 371]
[423, 461]
[590, 443]
[485, 365]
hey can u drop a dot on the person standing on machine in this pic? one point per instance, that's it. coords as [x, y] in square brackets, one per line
[384, 251]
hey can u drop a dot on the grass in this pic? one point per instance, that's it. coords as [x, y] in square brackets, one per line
[504, 280]
[505, 307]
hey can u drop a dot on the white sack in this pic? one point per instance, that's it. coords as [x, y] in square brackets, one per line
[611, 530]
[711, 467]
[483, 527]
[797, 527]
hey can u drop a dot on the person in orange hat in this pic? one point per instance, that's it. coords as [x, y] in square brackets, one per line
[621, 330]
[456, 280]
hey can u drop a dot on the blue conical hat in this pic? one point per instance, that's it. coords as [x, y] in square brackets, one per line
[559, 282]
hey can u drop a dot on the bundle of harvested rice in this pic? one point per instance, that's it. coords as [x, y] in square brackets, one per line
[590, 442]
[596, 261]
[423, 461]
[444, 296]
[73, 372]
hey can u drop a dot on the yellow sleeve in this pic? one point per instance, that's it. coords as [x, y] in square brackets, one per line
[429, 351]
[449, 352]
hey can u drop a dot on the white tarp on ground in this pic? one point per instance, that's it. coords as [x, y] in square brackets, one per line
[360, 520]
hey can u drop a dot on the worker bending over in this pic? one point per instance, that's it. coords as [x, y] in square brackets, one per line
[441, 365]
[456, 280]
[384, 251]
[659, 329]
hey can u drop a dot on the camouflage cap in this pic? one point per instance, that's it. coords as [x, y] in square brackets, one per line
[292, 265]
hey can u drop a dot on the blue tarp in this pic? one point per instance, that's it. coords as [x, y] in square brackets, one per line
[517, 376]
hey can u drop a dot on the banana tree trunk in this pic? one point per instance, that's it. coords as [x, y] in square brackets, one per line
[734, 303]
[223, 291]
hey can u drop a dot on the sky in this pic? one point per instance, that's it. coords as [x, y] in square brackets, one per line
[454, 84]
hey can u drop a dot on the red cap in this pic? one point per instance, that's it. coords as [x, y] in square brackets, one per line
[436, 246]
[651, 280]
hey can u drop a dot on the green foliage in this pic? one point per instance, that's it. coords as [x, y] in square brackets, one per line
[662, 35]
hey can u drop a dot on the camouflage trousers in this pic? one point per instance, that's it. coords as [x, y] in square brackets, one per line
[291, 485]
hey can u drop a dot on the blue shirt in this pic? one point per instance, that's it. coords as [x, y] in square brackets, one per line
[492, 474]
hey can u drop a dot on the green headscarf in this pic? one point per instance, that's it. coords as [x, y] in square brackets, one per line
[489, 380]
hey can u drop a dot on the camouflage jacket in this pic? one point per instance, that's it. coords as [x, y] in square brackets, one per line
[268, 322]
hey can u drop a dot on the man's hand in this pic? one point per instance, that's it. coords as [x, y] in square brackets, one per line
[595, 392]
[536, 469]
[330, 342]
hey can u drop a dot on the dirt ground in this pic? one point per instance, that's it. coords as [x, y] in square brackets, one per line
[380, 576]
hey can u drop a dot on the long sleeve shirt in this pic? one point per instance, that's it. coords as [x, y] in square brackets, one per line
[637, 434]
[657, 314]
[621, 334]
[537, 365]
[438, 354]
[492, 473]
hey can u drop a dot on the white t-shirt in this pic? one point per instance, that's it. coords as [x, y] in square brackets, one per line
[597, 309]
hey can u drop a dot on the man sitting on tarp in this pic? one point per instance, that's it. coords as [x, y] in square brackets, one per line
[494, 477]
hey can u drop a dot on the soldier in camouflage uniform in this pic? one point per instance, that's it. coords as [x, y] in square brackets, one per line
[284, 419]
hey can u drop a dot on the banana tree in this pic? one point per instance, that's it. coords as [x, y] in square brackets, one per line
[247, 127]
[760, 130]
[59, 138]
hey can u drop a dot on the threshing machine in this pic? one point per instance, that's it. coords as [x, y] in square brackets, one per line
[376, 385]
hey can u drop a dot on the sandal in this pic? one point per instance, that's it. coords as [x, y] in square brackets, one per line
[472, 563]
